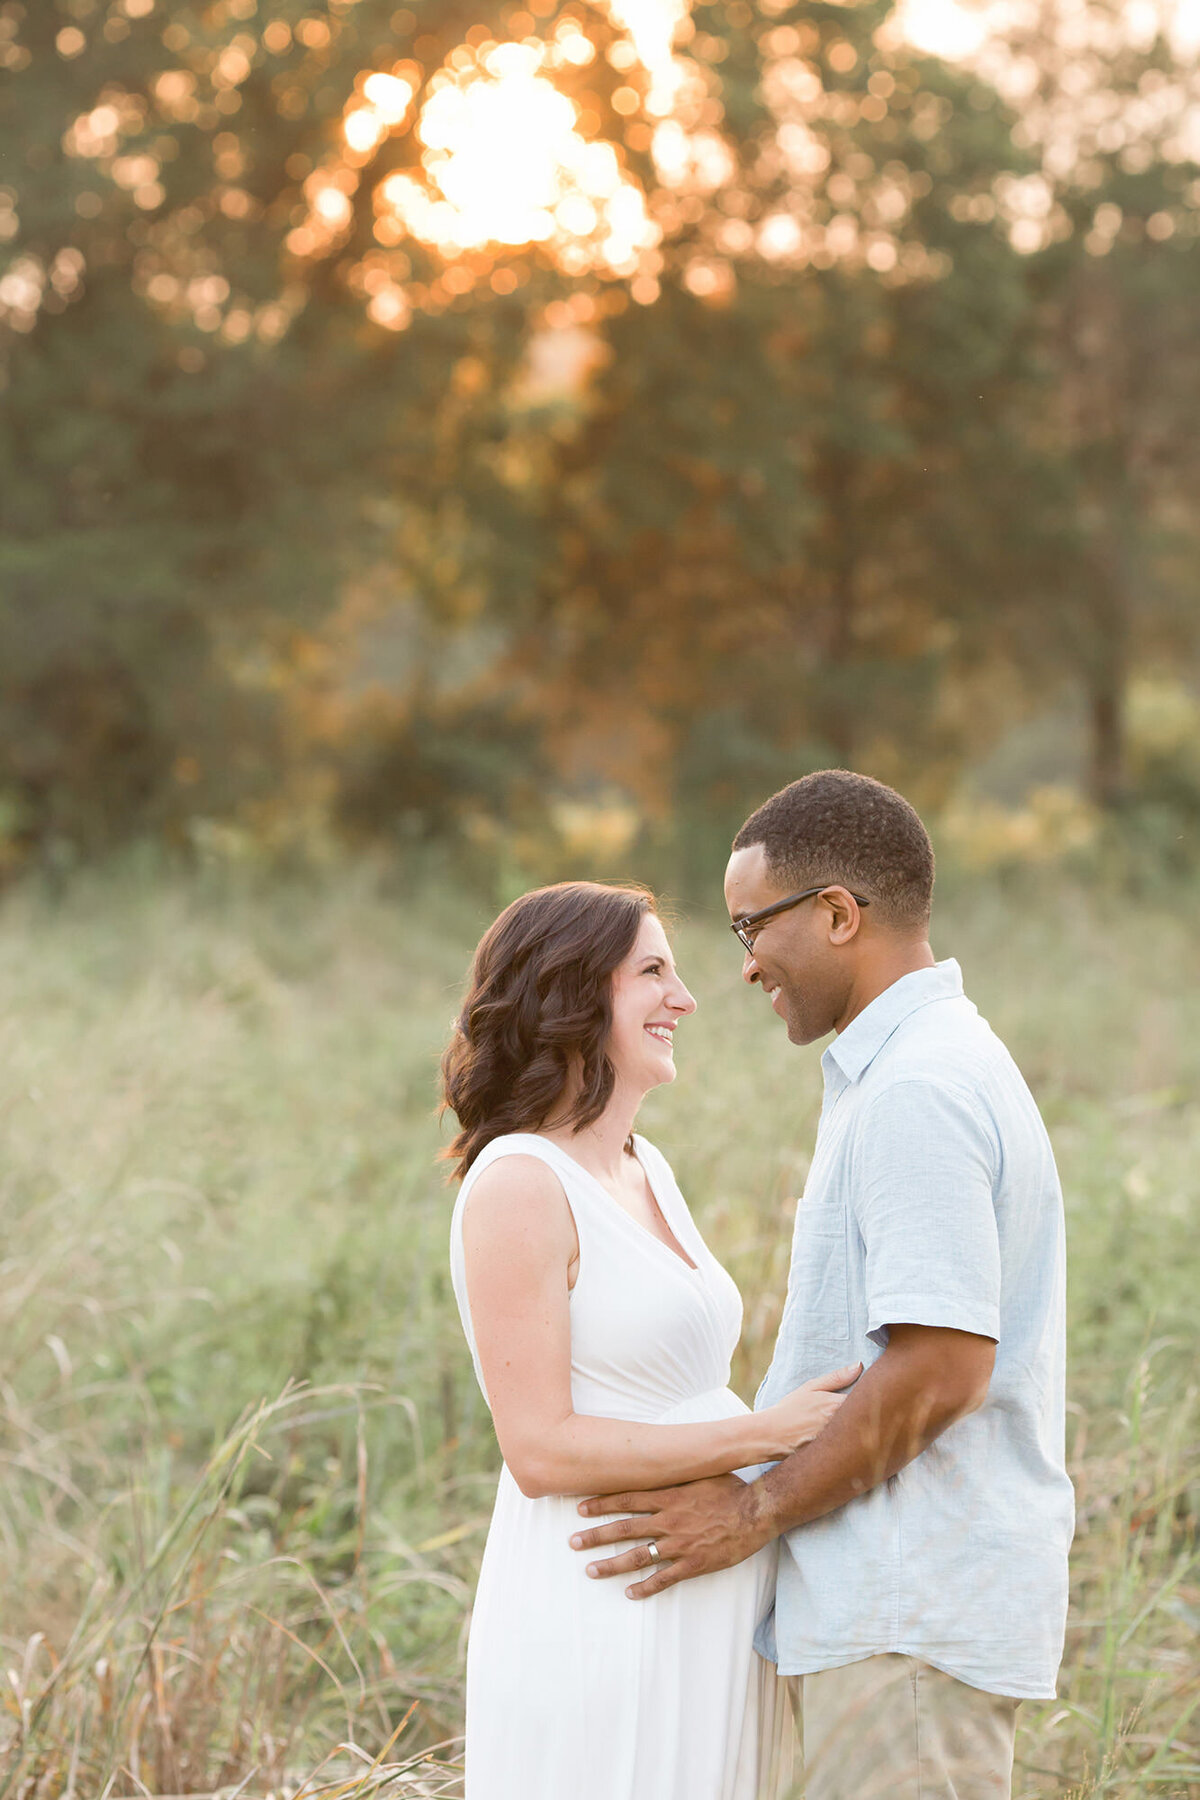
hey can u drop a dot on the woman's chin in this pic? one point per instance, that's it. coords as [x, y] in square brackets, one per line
[659, 1075]
[638, 1080]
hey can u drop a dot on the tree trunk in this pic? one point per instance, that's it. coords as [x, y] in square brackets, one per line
[1107, 770]
[1113, 608]
[835, 710]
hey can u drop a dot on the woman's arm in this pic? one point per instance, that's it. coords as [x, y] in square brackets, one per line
[519, 1241]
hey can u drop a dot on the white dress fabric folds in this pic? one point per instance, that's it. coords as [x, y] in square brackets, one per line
[575, 1692]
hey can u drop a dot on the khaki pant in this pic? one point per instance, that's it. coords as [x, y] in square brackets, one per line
[893, 1728]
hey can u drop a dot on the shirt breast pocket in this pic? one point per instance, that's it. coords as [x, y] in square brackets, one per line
[818, 1292]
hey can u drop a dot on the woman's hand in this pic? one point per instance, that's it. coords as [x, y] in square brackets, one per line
[799, 1416]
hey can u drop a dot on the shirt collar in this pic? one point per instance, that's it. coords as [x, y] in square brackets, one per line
[853, 1049]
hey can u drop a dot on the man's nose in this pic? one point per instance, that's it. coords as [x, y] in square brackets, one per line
[750, 969]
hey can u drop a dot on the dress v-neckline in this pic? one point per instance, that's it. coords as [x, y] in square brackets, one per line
[679, 1256]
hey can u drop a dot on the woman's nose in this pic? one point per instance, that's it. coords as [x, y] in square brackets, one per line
[683, 1001]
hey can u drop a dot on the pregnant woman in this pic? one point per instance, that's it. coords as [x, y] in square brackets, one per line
[601, 1329]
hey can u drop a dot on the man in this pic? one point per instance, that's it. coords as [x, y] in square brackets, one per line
[923, 1557]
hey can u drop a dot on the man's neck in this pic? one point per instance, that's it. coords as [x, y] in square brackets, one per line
[884, 964]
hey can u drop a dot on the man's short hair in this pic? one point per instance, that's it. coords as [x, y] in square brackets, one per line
[839, 827]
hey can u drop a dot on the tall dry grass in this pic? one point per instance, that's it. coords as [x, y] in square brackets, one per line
[246, 1472]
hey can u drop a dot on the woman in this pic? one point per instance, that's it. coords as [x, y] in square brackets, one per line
[601, 1329]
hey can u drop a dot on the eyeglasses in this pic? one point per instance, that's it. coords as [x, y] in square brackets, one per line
[745, 928]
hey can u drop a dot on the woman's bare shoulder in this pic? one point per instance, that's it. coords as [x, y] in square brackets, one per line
[516, 1190]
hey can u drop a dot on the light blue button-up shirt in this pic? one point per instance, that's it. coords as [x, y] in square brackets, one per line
[933, 1200]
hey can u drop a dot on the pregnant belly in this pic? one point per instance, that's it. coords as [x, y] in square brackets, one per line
[584, 1692]
[529, 1551]
[716, 1403]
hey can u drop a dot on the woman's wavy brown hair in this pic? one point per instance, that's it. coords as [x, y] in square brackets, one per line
[539, 1001]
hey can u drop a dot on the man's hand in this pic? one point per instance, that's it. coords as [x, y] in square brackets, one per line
[703, 1526]
[927, 1378]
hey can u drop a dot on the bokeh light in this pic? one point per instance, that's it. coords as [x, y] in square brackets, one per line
[506, 164]
[383, 105]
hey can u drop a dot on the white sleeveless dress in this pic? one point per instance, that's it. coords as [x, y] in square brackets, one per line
[575, 1692]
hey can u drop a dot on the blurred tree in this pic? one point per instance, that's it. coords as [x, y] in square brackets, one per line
[1110, 222]
[431, 407]
[1120, 324]
[197, 419]
[791, 495]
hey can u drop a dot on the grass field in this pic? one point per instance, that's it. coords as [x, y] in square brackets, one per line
[246, 1474]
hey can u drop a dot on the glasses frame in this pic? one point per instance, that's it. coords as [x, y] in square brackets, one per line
[754, 922]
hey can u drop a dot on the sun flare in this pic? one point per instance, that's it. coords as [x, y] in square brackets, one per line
[509, 162]
[506, 164]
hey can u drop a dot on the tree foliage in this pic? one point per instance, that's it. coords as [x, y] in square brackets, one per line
[822, 386]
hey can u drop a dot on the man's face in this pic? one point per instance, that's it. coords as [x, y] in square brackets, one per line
[799, 970]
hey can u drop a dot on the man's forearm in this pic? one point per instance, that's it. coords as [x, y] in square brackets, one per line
[899, 1406]
[928, 1377]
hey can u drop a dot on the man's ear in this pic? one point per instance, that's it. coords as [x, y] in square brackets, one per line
[845, 914]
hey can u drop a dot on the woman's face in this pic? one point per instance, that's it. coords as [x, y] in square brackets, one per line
[648, 1000]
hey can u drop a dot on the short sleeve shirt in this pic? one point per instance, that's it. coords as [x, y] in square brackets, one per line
[933, 1200]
